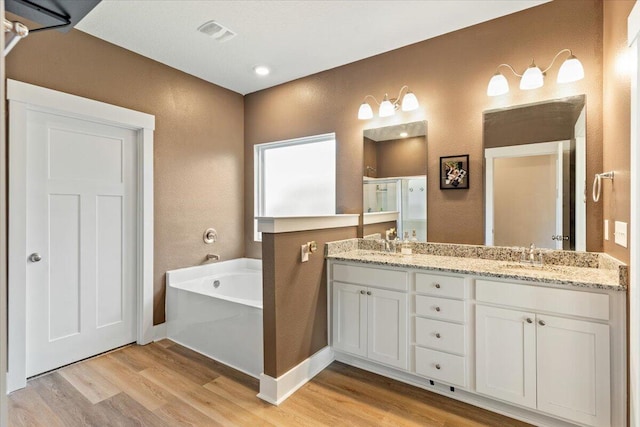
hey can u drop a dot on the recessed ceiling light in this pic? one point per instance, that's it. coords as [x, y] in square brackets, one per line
[261, 70]
[404, 135]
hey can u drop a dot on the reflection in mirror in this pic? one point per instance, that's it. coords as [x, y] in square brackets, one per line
[535, 162]
[395, 181]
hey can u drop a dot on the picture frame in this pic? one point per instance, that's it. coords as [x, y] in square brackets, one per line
[454, 172]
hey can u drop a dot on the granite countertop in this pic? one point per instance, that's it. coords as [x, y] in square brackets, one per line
[599, 273]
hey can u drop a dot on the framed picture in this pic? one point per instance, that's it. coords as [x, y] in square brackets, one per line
[454, 172]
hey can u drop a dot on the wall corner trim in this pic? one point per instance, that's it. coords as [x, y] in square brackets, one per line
[287, 224]
[277, 390]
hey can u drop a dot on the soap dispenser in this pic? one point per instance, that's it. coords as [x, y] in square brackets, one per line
[406, 245]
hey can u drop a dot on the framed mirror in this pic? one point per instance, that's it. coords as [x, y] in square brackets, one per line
[535, 174]
[395, 180]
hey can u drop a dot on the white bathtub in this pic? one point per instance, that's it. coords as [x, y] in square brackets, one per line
[223, 322]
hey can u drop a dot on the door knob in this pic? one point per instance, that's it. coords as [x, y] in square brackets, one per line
[35, 257]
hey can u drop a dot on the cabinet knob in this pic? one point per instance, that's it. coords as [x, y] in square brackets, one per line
[529, 320]
[35, 257]
[541, 322]
[437, 335]
[437, 285]
[437, 308]
[362, 292]
[368, 292]
[437, 366]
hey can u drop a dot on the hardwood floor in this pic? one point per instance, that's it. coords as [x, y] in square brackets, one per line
[165, 384]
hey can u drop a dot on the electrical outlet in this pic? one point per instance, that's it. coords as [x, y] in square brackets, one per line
[606, 229]
[304, 253]
[620, 233]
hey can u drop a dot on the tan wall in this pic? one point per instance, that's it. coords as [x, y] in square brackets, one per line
[449, 75]
[518, 181]
[198, 151]
[402, 157]
[370, 158]
[616, 123]
[295, 297]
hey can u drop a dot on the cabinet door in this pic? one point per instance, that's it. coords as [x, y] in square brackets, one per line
[349, 318]
[506, 354]
[387, 332]
[573, 370]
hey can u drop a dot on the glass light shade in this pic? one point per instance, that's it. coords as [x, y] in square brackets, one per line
[571, 70]
[386, 108]
[498, 85]
[365, 112]
[532, 78]
[409, 102]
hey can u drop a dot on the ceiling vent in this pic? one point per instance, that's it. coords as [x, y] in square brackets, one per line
[216, 31]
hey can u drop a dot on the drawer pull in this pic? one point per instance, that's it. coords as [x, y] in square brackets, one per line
[437, 366]
[541, 322]
[437, 285]
[529, 320]
[368, 292]
[437, 335]
[437, 308]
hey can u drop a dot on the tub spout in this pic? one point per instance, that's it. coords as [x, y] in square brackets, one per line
[214, 257]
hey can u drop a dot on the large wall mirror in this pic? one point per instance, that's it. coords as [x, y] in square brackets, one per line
[535, 174]
[395, 180]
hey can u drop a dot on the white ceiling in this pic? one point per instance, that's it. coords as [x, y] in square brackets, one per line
[293, 38]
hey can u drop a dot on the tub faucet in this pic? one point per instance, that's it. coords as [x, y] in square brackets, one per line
[214, 257]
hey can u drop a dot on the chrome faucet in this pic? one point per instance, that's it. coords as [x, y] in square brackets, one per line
[214, 257]
[532, 252]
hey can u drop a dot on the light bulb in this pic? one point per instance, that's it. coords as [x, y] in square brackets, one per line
[571, 70]
[532, 78]
[365, 112]
[498, 85]
[409, 102]
[386, 107]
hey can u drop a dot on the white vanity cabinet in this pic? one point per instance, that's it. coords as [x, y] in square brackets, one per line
[370, 321]
[546, 354]
[530, 357]
[440, 328]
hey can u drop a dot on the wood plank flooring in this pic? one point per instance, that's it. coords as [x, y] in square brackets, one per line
[165, 384]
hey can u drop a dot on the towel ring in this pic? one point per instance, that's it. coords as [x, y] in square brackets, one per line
[597, 184]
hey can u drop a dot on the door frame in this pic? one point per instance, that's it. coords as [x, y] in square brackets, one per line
[24, 97]
[524, 150]
[633, 32]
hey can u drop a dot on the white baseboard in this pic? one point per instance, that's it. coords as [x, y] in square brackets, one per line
[159, 332]
[277, 390]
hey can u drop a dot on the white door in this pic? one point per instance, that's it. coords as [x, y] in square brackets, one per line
[573, 370]
[349, 318]
[387, 327]
[506, 354]
[81, 234]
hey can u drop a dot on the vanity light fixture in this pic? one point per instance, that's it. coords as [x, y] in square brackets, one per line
[571, 70]
[388, 107]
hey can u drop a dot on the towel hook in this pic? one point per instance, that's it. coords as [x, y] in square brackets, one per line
[597, 183]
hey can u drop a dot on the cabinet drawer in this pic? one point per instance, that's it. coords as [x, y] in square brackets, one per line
[368, 276]
[445, 367]
[538, 298]
[440, 308]
[441, 286]
[439, 335]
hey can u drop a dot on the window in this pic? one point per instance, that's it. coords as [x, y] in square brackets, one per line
[296, 177]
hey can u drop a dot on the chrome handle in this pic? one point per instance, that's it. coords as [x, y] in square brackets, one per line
[437, 308]
[541, 322]
[437, 335]
[437, 285]
[368, 292]
[35, 257]
[437, 366]
[529, 320]
[362, 292]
